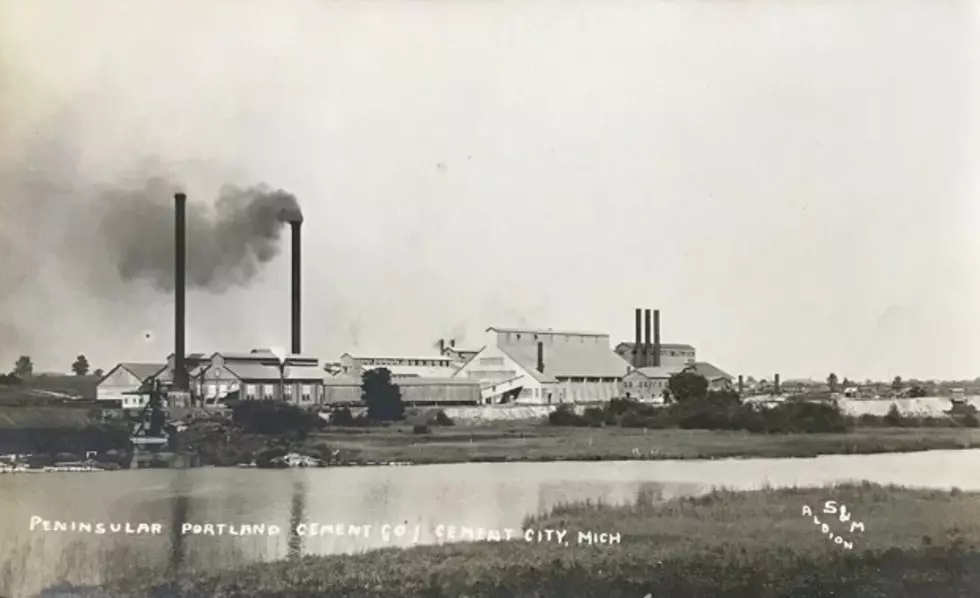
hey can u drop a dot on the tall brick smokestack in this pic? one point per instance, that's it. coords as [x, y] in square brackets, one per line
[646, 339]
[656, 337]
[297, 319]
[540, 357]
[776, 384]
[638, 341]
[180, 288]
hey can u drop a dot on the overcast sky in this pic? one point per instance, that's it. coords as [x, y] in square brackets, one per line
[794, 184]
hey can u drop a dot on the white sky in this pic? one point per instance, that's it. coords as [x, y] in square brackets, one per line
[793, 184]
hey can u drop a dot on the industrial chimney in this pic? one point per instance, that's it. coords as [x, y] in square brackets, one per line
[442, 347]
[297, 286]
[646, 339]
[776, 384]
[637, 342]
[540, 357]
[180, 284]
[741, 385]
[656, 337]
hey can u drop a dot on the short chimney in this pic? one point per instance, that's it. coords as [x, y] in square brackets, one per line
[452, 343]
[442, 346]
[541, 357]
[776, 384]
[656, 337]
[646, 339]
[638, 341]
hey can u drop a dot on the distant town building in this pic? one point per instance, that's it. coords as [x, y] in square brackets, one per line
[545, 367]
[671, 354]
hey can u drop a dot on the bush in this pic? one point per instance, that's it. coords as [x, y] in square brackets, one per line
[342, 417]
[421, 429]
[273, 418]
[564, 415]
[970, 421]
[594, 417]
[266, 457]
[894, 417]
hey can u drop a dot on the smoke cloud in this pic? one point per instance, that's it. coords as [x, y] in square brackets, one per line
[227, 242]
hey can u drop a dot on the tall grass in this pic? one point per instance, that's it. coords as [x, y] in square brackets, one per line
[722, 544]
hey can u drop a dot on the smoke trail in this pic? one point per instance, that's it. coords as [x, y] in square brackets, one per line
[227, 245]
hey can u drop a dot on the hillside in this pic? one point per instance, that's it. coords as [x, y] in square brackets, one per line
[50, 388]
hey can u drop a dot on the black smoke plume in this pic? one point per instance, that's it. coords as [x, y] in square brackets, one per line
[228, 241]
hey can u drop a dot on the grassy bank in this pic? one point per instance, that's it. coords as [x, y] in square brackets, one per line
[514, 441]
[732, 545]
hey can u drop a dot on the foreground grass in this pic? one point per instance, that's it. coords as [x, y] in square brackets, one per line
[732, 545]
[535, 442]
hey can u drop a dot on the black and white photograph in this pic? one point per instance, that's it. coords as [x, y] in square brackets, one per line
[490, 298]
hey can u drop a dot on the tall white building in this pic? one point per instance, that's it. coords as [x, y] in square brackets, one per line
[545, 367]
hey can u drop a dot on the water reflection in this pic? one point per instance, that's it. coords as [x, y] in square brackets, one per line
[297, 516]
[179, 515]
[491, 496]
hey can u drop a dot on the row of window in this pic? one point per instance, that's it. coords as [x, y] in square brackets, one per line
[416, 362]
[644, 384]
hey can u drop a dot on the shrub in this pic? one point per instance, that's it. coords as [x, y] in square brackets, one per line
[894, 417]
[342, 417]
[421, 429]
[970, 421]
[273, 418]
[564, 415]
[594, 417]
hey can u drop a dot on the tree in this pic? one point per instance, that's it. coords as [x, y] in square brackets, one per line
[383, 399]
[81, 366]
[897, 384]
[845, 383]
[832, 382]
[688, 385]
[98, 372]
[917, 392]
[24, 367]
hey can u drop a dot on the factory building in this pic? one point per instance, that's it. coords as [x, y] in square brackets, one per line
[459, 355]
[344, 391]
[644, 353]
[127, 378]
[545, 367]
[648, 383]
[255, 375]
[670, 353]
[401, 368]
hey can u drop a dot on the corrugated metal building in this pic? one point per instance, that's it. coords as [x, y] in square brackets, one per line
[545, 366]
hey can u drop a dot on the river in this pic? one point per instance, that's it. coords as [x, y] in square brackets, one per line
[490, 495]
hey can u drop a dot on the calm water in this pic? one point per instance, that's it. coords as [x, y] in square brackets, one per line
[493, 495]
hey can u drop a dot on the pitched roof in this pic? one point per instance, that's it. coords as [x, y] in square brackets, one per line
[674, 346]
[401, 357]
[569, 361]
[666, 371]
[710, 372]
[413, 370]
[143, 370]
[259, 371]
[543, 331]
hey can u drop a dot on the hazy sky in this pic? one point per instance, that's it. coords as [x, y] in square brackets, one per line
[794, 184]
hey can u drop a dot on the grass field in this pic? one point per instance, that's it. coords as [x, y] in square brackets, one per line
[515, 441]
[915, 544]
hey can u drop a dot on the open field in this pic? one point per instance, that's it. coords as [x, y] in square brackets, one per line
[516, 441]
[914, 543]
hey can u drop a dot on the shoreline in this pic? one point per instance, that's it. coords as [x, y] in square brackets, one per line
[611, 458]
